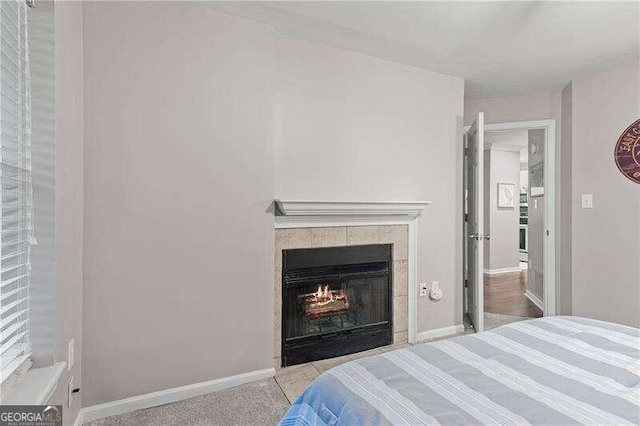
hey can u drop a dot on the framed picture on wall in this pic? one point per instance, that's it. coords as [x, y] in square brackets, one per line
[506, 195]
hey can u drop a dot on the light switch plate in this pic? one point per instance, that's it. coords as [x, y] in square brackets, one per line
[587, 201]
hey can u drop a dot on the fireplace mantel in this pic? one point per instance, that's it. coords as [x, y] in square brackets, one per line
[350, 208]
[301, 214]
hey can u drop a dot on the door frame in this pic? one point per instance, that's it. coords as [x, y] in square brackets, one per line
[549, 125]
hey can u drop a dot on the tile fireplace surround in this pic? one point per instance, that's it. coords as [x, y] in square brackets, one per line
[335, 236]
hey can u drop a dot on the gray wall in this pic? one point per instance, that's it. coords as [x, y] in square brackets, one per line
[536, 229]
[514, 108]
[355, 127]
[504, 223]
[606, 239]
[597, 251]
[179, 178]
[564, 297]
[180, 173]
[69, 196]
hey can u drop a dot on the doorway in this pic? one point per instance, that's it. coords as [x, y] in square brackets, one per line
[509, 239]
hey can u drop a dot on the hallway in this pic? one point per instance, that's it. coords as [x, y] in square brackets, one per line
[504, 294]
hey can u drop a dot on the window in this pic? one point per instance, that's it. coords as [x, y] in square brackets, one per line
[16, 233]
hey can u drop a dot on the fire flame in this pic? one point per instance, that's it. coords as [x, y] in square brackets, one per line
[324, 296]
[325, 293]
[325, 300]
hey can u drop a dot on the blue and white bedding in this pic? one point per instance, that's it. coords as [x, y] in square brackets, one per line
[547, 371]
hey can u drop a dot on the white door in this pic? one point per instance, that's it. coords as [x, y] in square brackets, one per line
[475, 221]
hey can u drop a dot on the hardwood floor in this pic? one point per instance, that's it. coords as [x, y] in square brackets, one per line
[504, 294]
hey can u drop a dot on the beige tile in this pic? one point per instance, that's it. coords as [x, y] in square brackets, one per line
[296, 373]
[399, 314]
[294, 380]
[277, 315]
[360, 235]
[277, 363]
[277, 336]
[292, 390]
[329, 237]
[365, 354]
[400, 278]
[290, 239]
[393, 347]
[398, 236]
[329, 363]
[400, 337]
[277, 293]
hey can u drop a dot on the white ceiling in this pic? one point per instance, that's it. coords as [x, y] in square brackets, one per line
[500, 48]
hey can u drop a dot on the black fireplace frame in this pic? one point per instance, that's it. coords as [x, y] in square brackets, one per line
[353, 261]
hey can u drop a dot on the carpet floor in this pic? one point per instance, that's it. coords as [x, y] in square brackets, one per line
[257, 403]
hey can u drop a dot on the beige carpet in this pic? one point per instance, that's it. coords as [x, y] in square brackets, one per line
[257, 403]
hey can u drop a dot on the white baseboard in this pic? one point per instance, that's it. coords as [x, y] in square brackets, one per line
[440, 332]
[122, 406]
[502, 270]
[535, 299]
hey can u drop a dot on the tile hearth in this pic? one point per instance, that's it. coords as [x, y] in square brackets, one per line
[294, 238]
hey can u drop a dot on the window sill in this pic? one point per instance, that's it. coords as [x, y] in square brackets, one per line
[36, 387]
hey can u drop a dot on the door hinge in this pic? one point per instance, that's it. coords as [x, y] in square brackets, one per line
[466, 152]
[547, 232]
[466, 217]
[466, 283]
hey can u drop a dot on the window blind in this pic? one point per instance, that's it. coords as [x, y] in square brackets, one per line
[16, 192]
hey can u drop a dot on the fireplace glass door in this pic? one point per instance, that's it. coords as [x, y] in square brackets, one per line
[329, 305]
[335, 309]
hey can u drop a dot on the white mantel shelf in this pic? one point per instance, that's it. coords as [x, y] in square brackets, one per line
[350, 208]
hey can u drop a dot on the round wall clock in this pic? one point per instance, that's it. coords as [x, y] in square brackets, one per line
[628, 152]
[534, 148]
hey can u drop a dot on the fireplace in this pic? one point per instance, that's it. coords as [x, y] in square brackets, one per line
[335, 301]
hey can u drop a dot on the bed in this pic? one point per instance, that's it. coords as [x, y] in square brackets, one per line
[545, 371]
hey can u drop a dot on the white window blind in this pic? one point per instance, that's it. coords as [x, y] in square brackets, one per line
[16, 234]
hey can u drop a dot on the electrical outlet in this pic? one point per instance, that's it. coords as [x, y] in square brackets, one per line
[71, 354]
[70, 393]
[423, 289]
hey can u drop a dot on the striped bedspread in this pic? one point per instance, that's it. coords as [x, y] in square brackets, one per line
[547, 371]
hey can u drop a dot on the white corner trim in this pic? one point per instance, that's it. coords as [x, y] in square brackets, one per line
[440, 332]
[36, 387]
[502, 270]
[347, 208]
[535, 299]
[122, 406]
